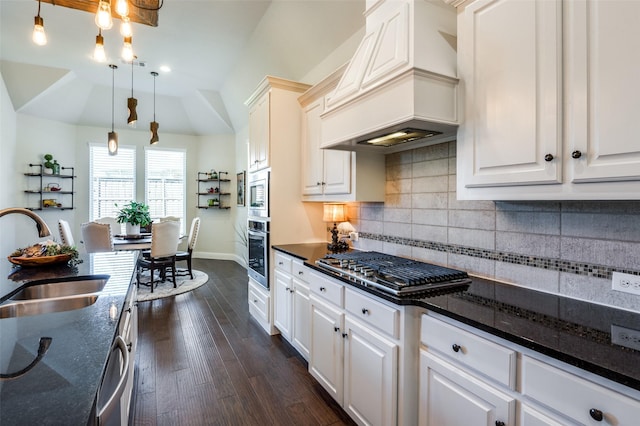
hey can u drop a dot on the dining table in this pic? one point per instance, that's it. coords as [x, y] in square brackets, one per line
[132, 242]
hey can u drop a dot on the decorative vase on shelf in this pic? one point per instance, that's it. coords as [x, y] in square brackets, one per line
[132, 229]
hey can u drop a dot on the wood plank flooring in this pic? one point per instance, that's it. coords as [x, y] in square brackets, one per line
[202, 361]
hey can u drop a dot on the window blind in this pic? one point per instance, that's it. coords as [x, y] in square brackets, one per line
[112, 180]
[165, 184]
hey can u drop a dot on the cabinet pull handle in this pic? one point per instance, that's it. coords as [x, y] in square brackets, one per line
[336, 329]
[318, 183]
[499, 423]
[576, 154]
[455, 347]
[323, 289]
[596, 414]
[255, 300]
[365, 311]
[300, 272]
[288, 289]
[344, 335]
[324, 183]
[548, 157]
[280, 263]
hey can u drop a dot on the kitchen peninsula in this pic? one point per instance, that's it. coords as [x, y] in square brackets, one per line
[62, 387]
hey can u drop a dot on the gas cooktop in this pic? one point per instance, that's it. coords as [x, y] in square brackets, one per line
[394, 274]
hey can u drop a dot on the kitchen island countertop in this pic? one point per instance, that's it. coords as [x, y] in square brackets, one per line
[61, 388]
[573, 331]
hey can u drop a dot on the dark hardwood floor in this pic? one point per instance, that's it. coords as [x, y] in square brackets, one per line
[203, 361]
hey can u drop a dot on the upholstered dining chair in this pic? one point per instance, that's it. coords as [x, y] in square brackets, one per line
[116, 228]
[96, 237]
[66, 237]
[191, 243]
[165, 237]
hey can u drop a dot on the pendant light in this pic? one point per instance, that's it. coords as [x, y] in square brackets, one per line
[127, 50]
[125, 27]
[132, 103]
[103, 19]
[153, 126]
[122, 7]
[98, 53]
[112, 141]
[39, 37]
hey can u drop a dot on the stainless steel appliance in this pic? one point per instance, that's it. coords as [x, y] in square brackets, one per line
[258, 193]
[394, 274]
[258, 269]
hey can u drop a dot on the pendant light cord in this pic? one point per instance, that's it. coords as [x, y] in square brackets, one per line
[113, 83]
[154, 96]
[132, 76]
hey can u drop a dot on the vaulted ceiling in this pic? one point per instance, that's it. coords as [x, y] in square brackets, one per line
[218, 51]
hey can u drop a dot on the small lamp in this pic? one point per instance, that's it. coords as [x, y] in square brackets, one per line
[334, 212]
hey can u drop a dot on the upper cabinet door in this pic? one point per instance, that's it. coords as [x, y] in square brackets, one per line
[259, 134]
[603, 94]
[509, 58]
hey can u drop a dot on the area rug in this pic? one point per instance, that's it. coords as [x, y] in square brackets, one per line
[165, 289]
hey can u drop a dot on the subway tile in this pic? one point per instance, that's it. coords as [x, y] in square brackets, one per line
[609, 206]
[597, 290]
[372, 211]
[429, 256]
[528, 244]
[398, 171]
[453, 167]
[527, 276]
[472, 238]
[434, 200]
[528, 206]
[528, 222]
[430, 168]
[431, 152]
[396, 249]
[429, 217]
[401, 201]
[484, 268]
[398, 186]
[371, 226]
[429, 233]
[397, 229]
[369, 245]
[472, 219]
[622, 227]
[402, 157]
[455, 204]
[453, 148]
[430, 184]
[618, 254]
[397, 215]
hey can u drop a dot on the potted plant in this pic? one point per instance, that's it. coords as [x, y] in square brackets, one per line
[135, 215]
[48, 164]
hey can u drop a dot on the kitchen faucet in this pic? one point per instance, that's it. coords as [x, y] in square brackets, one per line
[43, 229]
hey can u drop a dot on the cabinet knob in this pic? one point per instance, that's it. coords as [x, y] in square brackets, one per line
[499, 423]
[323, 289]
[300, 272]
[576, 154]
[318, 184]
[596, 414]
[365, 311]
[255, 300]
[288, 289]
[548, 157]
[336, 329]
[344, 335]
[280, 263]
[455, 347]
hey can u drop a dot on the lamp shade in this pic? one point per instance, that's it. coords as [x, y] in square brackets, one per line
[334, 212]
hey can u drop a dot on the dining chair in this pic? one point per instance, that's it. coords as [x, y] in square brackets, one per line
[191, 243]
[66, 237]
[165, 237]
[116, 228]
[96, 237]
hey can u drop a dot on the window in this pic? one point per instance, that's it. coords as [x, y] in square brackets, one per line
[164, 183]
[112, 180]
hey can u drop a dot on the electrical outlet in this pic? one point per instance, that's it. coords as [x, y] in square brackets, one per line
[627, 283]
[626, 337]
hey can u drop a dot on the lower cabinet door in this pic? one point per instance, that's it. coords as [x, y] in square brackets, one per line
[370, 376]
[529, 416]
[452, 397]
[282, 305]
[301, 323]
[325, 359]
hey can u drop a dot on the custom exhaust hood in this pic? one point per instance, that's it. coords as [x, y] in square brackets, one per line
[399, 91]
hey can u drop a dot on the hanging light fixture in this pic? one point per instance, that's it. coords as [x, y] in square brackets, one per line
[112, 141]
[104, 20]
[125, 27]
[132, 103]
[39, 37]
[153, 126]
[98, 53]
[122, 7]
[127, 50]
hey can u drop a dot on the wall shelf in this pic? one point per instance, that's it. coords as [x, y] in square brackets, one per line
[213, 186]
[61, 199]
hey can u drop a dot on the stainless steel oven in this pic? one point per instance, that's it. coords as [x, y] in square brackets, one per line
[258, 193]
[258, 269]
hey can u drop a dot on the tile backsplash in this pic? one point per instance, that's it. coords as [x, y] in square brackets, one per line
[569, 248]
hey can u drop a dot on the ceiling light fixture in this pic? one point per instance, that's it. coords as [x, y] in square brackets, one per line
[122, 7]
[98, 53]
[125, 27]
[39, 37]
[132, 103]
[153, 126]
[104, 20]
[112, 141]
[127, 50]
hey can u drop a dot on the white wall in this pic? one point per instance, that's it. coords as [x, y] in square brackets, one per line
[7, 175]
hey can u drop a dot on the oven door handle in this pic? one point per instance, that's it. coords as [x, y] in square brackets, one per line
[260, 234]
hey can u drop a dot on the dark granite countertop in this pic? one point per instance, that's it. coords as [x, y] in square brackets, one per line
[61, 388]
[576, 332]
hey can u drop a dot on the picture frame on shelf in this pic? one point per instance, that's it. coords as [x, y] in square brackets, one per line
[241, 187]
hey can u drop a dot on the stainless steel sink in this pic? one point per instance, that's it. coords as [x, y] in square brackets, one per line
[61, 287]
[20, 308]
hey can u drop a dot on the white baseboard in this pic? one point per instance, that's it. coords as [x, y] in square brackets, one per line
[220, 256]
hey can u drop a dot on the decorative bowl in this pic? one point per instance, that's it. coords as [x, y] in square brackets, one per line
[38, 260]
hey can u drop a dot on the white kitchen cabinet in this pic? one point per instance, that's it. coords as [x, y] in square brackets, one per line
[357, 364]
[334, 175]
[300, 335]
[549, 94]
[259, 304]
[283, 303]
[259, 134]
[450, 396]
